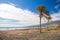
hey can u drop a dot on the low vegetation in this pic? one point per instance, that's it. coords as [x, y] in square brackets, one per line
[34, 33]
[31, 34]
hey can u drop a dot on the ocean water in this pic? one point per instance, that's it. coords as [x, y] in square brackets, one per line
[10, 28]
[13, 28]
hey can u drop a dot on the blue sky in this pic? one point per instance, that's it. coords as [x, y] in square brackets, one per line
[24, 12]
[32, 4]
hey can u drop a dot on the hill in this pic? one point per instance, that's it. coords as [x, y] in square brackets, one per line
[51, 24]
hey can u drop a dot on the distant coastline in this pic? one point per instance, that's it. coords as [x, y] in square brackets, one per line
[13, 28]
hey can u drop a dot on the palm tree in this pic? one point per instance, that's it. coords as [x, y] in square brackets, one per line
[48, 17]
[41, 10]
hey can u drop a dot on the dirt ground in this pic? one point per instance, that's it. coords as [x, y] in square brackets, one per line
[29, 34]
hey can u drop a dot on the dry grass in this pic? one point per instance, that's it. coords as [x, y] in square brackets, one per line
[30, 34]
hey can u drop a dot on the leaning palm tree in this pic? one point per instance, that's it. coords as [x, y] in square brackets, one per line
[48, 17]
[41, 10]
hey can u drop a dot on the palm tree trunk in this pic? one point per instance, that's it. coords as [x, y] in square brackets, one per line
[40, 22]
[48, 25]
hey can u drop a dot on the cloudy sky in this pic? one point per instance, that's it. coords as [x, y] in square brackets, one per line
[19, 13]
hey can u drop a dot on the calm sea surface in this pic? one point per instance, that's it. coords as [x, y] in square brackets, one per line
[12, 28]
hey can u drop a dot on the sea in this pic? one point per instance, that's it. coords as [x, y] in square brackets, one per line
[13, 28]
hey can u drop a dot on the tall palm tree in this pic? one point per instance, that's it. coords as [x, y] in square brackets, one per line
[41, 10]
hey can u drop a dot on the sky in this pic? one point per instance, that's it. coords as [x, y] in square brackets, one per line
[19, 13]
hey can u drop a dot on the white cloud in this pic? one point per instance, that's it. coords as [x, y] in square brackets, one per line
[56, 6]
[25, 17]
[55, 16]
[58, 1]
